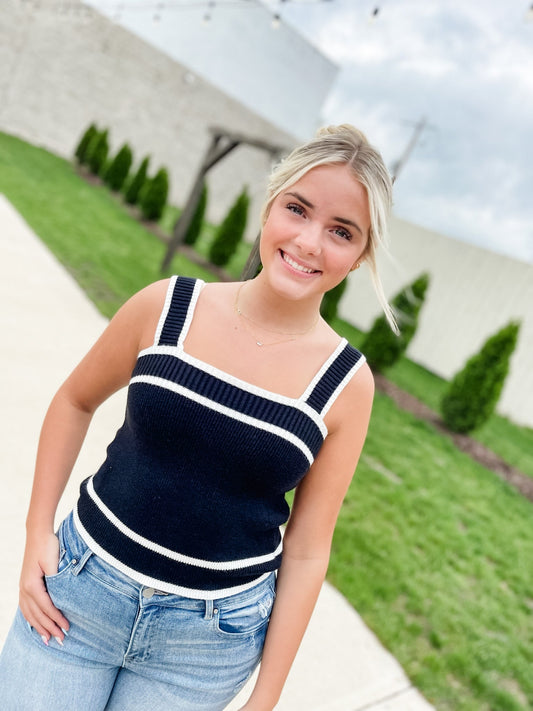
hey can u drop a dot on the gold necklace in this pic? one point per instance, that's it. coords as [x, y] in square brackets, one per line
[258, 342]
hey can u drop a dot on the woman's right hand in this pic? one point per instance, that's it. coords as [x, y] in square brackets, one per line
[41, 558]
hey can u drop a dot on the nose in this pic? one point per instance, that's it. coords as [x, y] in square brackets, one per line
[309, 239]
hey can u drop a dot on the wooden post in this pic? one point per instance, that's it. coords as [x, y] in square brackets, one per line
[222, 143]
[253, 261]
[214, 153]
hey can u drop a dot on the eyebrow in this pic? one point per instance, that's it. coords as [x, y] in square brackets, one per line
[342, 220]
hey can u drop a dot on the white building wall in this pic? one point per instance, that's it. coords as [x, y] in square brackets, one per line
[473, 293]
[61, 71]
[275, 72]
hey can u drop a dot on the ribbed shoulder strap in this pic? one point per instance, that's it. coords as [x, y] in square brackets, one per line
[334, 377]
[175, 310]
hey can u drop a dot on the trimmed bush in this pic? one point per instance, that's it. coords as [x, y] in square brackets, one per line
[97, 152]
[331, 300]
[153, 196]
[81, 151]
[136, 184]
[381, 346]
[474, 392]
[197, 219]
[230, 232]
[118, 169]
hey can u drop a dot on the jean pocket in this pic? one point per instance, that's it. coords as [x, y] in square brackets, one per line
[71, 549]
[61, 566]
[247, 619]
[64, 557]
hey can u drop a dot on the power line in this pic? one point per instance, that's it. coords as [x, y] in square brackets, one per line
[402, 160]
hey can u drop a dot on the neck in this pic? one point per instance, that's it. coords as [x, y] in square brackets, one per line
[273, 311]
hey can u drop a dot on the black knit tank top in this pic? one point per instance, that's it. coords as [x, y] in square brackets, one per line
[191, 496]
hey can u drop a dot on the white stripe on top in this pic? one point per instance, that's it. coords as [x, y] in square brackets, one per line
[174, 555]
[228, 411]
[166, 307]
[162, 585]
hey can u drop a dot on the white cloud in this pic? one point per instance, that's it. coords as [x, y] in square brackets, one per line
[467, 67]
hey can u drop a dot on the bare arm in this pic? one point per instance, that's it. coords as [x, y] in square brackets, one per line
[104, 370]
[307, 540]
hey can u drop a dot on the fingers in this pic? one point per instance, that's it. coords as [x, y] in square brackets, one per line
[39, 611]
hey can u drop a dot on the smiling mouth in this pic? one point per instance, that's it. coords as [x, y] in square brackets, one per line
[296, 265]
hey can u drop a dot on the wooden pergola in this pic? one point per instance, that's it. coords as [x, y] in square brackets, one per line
[222, 143]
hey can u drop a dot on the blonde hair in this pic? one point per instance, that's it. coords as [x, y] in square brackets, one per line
[344, 145]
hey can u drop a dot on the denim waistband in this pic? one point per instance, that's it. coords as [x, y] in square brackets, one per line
[71, 539]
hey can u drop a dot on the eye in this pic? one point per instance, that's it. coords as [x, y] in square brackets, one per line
[294, 207]
[343, 232]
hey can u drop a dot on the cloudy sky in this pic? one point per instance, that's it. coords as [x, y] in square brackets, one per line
[464, 67]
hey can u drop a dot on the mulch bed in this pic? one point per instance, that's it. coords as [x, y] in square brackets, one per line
[477, 451]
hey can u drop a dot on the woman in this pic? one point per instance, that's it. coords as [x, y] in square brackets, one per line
[158, 590]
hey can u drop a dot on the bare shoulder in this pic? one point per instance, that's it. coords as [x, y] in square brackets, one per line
[362, 381]
[217, 291]
[150, 297]
[140, 314]
[359, 390]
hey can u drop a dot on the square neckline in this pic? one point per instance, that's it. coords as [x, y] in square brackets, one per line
[234, 379]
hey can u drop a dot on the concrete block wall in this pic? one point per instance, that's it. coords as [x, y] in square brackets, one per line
[59, 71]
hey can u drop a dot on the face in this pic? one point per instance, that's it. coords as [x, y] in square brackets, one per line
[316, 231]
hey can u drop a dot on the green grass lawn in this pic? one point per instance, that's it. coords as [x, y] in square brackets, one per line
[431, 548]
[88, 230]
[435, 553]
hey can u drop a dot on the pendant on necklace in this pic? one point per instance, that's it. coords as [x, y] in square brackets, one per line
[258, 343]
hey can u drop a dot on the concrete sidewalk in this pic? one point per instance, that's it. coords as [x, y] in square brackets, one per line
[47, 324]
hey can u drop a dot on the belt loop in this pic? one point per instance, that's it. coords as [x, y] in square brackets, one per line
[208, 610]
[79, 563]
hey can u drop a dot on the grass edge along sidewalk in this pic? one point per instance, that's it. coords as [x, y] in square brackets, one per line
[432, 549]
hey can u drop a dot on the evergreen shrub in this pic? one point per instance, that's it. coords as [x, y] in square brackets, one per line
[81, 152]
[97, 152]
[230, 231]
[136, 184]
[474, 391]
[195, 227]
[153, 196]
[119, 167]
[381, 346]
[331, 300]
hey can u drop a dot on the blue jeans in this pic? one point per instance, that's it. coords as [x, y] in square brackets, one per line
[130, 648]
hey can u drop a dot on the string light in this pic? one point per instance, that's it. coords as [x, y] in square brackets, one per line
[111, 5]
[374, 15]
[117, 9]
[157, 14]
[181, 4]
[210, 8]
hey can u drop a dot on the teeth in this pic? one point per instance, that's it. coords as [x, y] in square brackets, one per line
[297, 266]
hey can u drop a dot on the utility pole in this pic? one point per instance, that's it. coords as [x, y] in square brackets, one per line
[417, 132]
